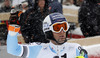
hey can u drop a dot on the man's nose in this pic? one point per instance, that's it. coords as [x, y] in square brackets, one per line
[62, 31]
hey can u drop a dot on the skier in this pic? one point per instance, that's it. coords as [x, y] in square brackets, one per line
[55, 27]
[17, 10]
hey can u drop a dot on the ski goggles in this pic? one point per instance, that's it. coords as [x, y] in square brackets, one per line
[57, 27]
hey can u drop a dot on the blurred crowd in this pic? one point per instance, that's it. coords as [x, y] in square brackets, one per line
[29, 14]
[73, 2]
[6, 5]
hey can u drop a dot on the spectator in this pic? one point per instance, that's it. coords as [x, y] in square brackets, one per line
[14, 16]
[24, 9]
[31, 26]
[79, 2]
[30, 3]
[55, 6]
[6, 7]
[3, 33]
[17, 11]
[24, 6]
[55, 27]
[89, 15]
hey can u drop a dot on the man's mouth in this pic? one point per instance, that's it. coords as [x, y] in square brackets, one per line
[62, 36]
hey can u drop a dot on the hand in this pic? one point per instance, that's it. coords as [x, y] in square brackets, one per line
[14, 28]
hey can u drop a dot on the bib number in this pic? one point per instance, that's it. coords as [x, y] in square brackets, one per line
[64, 56]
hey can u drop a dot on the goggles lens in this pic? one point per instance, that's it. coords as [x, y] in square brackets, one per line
[58, 26]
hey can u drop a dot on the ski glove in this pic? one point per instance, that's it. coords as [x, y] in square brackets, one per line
[13, 29]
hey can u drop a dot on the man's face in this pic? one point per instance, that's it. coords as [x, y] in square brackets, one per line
[41, 3]
[60, 37]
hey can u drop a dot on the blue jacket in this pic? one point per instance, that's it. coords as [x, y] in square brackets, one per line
[55, 6]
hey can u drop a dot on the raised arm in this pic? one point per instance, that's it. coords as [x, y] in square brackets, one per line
[12, 42]
[20, 50]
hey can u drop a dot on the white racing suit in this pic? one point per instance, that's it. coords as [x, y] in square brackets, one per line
[49, 50]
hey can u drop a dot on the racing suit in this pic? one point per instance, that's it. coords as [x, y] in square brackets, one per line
[49, 50]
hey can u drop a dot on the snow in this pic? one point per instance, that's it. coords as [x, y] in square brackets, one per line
[77, 31]
[71, 7]
[93, 49]
[68, 14]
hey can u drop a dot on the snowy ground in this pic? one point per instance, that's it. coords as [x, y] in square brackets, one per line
[4, 54]
[71, 7]
[93, 49]
[77, 31]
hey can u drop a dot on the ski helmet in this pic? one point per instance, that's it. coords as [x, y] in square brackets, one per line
[48, 23]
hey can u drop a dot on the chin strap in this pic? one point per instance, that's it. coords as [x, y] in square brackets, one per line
[61, 43]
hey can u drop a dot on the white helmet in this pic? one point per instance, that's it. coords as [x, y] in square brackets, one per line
[50, 21]
[53, 19]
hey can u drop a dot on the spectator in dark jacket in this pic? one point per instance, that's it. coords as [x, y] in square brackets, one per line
[30, 3]
[31, 26]
[6, 7]
[89, 17]
[55, 6]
